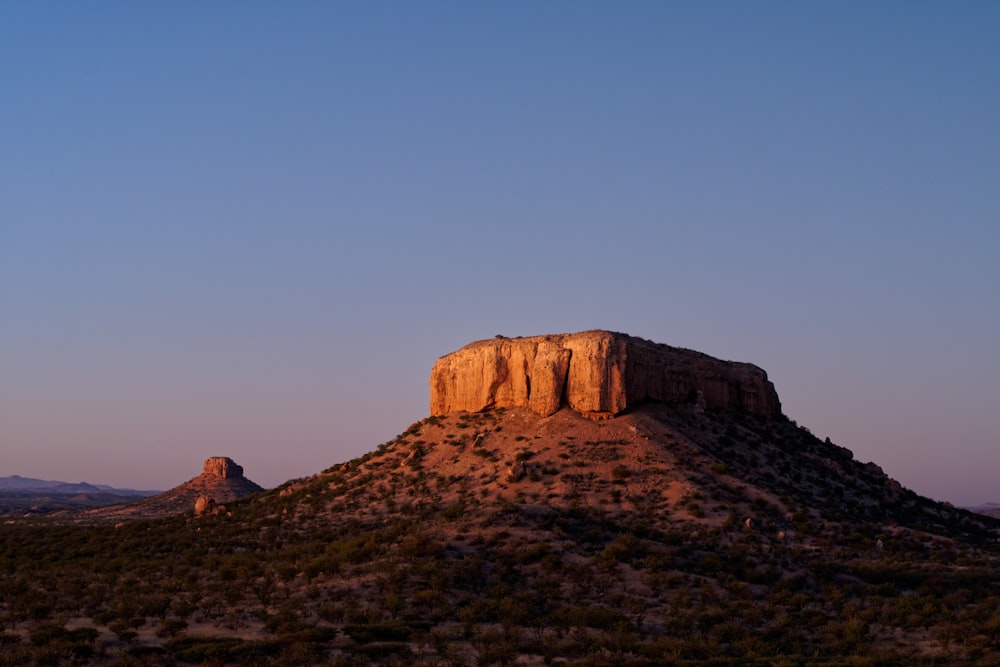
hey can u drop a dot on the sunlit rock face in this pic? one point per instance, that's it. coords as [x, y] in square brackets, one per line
[204, 505]
[596, 373]
[222, 467]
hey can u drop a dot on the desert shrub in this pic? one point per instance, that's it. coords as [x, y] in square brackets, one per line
[75, 645]
[383, 651]
[228, 649]
[172, 627]
[325, 564]
[625, 548]
[599, 618]
[298, 632]
[146, 652]
[492, 647]
[366, 633]
[621, 472]
[454, 511]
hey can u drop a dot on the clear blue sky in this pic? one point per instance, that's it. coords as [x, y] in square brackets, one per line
[250, 228]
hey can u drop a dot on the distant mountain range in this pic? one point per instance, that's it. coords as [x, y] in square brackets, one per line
[21, 495]
[29, 484]
[989, 509]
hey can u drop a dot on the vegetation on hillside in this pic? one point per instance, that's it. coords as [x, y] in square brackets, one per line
[477, 539]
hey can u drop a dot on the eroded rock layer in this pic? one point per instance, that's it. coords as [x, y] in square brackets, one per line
[222, 467]
[596, 373]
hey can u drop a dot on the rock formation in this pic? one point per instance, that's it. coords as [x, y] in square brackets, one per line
[596, 373]
[222, 467]
[221, 481]
[204, 505]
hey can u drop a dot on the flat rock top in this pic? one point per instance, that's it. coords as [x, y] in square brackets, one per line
[222, 467]
[596, 373]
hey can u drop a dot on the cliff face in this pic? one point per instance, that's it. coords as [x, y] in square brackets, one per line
[596, 373]
[222, 467]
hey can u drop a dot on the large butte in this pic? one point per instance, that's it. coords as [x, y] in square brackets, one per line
[598, 374]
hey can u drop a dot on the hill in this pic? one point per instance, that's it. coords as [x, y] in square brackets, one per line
[668, 530]
[989, 509]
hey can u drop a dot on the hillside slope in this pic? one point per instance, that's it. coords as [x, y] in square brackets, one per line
[672, 532]
[665, 535]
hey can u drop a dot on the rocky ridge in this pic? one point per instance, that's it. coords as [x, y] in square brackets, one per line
[598, 374]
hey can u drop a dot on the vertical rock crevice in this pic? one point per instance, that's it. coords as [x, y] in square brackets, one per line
[596, 373]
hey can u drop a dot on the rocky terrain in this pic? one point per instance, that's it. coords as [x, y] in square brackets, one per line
[629, 527]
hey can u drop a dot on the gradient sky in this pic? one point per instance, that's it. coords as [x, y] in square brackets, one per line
[250, 228]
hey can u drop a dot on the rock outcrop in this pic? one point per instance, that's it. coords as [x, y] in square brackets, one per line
[222, 467]
[221, 481]
[204, 505]
[596, 373]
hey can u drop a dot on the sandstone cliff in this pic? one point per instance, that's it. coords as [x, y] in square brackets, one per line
[222, 467]
[596, 373]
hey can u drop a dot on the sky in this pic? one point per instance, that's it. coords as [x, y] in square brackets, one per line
[248, 229]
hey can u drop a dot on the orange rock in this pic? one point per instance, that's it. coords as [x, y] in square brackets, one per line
[596, 373]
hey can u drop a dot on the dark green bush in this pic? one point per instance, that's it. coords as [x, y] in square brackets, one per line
[378, 632]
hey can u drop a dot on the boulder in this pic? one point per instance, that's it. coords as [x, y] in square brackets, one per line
[204, 505]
